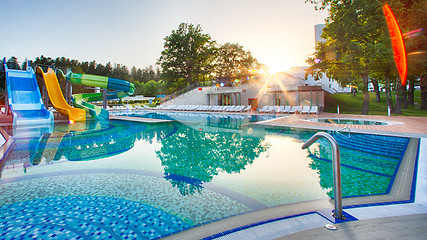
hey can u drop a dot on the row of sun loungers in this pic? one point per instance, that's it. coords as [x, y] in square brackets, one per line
[205, 108]
[216, 108]
[128, 107]
[289, 109]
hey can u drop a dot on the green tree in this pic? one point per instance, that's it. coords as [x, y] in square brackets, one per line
[353, 28]
[12, 63]
[139, 88]
[120, 72]
[134, 74]
[92, 67]
[233, 60]
[187, 57]
[369, 30]
[151, 89]
[412, 18]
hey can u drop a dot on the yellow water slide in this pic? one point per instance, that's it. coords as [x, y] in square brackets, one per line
[57, 99]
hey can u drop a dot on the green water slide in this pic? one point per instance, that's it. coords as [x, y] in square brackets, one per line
[122, 88]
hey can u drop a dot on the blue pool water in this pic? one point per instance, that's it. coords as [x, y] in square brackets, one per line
[136, 180]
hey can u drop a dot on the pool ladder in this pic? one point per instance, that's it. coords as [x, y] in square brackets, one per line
[336, 165]
[339, 131]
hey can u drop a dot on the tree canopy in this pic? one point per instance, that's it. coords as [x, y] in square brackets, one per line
[191, 56]
[187, 56]
[358, 46]
[233, 60]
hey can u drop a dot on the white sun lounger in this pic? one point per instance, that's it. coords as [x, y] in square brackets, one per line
[247, 108]
[286, 109]
[314, 109]
[280, 109]
[271, 109]
[264, 109]
[239, 108]
[230, 108]
[215, 108]
[305, 109]
[208, 108]
[293, 109]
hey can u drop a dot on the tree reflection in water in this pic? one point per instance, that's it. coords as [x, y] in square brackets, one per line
[191, 157]
[368, 164]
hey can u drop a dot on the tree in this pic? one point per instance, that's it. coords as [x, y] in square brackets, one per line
[12, 63]
[92, 67]
[120, 72]
[233, 60]
[139, 88]
[352, 32]
[134, 74]
[412, 18]
[187, 57]
[151, 89]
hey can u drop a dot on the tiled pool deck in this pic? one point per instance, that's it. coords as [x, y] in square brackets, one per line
[398, 219]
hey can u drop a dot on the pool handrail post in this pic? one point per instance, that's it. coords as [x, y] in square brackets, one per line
[336, 169]
[104, 98]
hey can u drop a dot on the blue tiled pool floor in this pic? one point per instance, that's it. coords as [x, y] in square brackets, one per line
[85, 217]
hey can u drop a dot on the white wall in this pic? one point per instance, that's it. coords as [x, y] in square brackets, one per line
[193, 97]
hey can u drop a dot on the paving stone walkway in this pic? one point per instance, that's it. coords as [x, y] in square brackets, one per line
[400, 227]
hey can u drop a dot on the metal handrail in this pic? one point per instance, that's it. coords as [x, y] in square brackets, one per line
[342, 129]
[336, 168]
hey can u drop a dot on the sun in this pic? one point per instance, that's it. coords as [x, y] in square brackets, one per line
[277, 66]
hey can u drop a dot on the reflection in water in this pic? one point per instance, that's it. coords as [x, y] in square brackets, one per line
[199, 156]
[77, 142]
[194, 152]
[368, 163]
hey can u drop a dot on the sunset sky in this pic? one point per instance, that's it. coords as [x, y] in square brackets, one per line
[279, 33]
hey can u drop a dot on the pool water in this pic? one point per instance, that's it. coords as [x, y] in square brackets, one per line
[136, 180]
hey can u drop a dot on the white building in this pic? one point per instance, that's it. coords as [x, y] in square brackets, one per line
[318, 30]
[285, 88]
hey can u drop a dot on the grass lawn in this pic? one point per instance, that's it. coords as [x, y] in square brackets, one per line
[353, 105]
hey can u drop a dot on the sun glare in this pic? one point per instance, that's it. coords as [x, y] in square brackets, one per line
[277, 66]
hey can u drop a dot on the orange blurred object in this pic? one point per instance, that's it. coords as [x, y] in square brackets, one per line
[398, 43]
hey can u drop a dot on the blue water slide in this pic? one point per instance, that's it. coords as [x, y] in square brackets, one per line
[24, 97]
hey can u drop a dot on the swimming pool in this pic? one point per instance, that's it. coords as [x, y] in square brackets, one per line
[137, 180]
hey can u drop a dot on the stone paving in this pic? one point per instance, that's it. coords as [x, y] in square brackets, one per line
[400, 227]
[414, 125]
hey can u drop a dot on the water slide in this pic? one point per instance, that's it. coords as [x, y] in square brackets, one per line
[57, 99]
[122, 89]
[24, 97]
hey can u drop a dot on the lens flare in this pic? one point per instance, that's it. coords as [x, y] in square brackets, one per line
[413, 33]
[398, 43]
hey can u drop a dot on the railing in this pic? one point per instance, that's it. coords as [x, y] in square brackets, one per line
[336, 168]
[342, 129]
